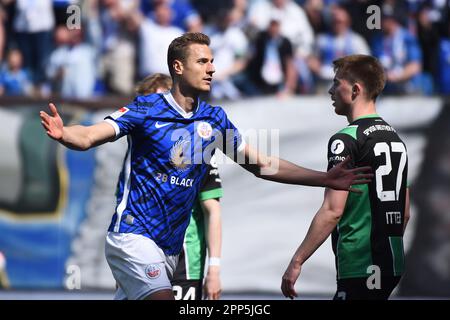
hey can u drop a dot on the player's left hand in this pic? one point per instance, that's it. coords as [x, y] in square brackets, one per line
[212, 288]
[341, 178]
[289, 278]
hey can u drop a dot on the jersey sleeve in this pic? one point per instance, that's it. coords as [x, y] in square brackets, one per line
[211, 187]
[127, 118]
[232, 140]
[339, 147]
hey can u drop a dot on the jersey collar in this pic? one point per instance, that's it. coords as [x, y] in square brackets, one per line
[367, 116]
[169, 98]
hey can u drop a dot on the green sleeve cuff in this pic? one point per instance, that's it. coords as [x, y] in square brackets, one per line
[211, 194]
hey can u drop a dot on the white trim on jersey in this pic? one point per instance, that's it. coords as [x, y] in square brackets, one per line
[176, 106]
[114, 124]
[186, 261]
[126, 188]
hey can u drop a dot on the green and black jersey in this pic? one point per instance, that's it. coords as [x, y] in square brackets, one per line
[370, 232]
[191, 264]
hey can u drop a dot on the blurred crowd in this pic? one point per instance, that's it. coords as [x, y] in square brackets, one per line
[88, 48]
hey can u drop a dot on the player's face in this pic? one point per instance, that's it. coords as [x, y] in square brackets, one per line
[198, 68]
[341, 95]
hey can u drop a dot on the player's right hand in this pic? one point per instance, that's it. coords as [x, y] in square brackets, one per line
[289, 278]
[341, 178]
[53, 124]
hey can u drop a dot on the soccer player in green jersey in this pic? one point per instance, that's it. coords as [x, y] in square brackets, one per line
[367, 228]
[204, 233]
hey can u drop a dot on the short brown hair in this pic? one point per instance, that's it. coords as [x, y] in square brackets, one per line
[150, 84]
[364, 69]
[178, 47]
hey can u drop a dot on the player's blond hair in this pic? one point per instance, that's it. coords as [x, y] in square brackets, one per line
[152, 83]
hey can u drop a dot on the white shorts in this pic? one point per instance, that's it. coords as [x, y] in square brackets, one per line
[138, 265]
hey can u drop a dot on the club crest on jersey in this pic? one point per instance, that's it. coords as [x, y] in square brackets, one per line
[204, 130]
[153, 271]
[178, 155]
[116, 115]
[337, 146]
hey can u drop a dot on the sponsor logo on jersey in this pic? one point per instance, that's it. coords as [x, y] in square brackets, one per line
[116, 115]
[178, 155]
[337, 146]
[181, 182]
[153, 271]
[160, 125]
[336, 159]
[204, 130]
[378, 127]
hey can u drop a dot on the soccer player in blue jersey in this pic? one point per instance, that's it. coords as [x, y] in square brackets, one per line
[204, 233]
[171, 137]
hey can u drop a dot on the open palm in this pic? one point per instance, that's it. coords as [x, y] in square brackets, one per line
[52, 124]
[341, 178]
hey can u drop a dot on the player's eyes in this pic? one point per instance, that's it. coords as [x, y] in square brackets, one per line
[204, 61]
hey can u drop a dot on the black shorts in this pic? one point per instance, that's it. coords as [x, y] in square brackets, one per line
[187, 289]
[357, 289]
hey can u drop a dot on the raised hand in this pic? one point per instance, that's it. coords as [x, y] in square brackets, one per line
[53, 124]
[341, 178]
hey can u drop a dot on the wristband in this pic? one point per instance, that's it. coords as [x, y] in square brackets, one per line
[214, 261]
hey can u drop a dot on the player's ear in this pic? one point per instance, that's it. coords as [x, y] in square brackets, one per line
[178, 66]
[356, 90]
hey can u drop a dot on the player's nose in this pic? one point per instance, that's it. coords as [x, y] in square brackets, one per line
[211, 69]
[330, 91]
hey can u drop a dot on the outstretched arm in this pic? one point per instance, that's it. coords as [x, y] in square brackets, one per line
[321, 227]
[75, 137]
[279, 170]
[213, 224]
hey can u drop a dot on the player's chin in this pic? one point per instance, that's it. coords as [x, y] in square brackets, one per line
[205, 88]
[338, 110]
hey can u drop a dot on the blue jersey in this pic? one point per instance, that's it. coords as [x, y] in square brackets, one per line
[168, 150]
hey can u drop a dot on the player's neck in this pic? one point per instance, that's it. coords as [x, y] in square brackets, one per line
[361, 109]
[185, 100]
